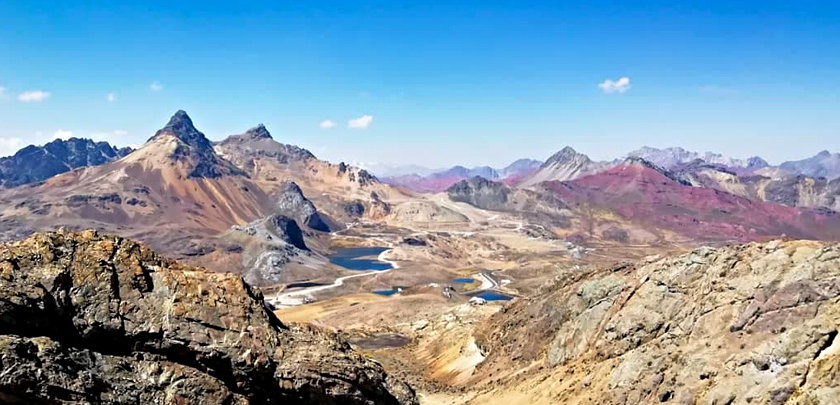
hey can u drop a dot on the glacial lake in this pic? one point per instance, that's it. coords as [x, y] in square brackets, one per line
[493, 296]
[360, 259]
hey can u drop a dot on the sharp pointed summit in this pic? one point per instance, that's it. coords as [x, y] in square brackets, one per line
[258, 132]
[566, 164]
[181, 126]
[567, 154]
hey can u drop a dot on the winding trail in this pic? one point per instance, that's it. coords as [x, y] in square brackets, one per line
[299, 297]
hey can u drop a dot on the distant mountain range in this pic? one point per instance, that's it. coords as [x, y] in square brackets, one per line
[568, 164]
[36, 163]
[180, 190]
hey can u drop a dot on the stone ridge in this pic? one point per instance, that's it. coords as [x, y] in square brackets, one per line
[100, 319]
[755, 323]
[37, 163]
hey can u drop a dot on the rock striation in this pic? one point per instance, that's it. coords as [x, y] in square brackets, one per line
[88, 318]
[755, 323]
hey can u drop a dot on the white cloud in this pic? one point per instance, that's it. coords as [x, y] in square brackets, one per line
[615, 86]
[8, 146]
[326, 124]
[2, 90]
[62, 134]
[111, 97]
[34, 95]
[155, 86]
[361, 122]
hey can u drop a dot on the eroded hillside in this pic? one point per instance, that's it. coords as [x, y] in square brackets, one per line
[755, 323]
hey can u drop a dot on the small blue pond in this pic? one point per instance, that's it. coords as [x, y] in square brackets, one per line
[386, 293]
[494, 296]
[361, 258]
[392, 291]
[465, 280]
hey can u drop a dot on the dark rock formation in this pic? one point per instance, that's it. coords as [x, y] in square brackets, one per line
[36, 163]
[291, 202]
[287, 230]
[481, 193]
[86, 318]
[195, 148]
[258, 143]
[355, 209]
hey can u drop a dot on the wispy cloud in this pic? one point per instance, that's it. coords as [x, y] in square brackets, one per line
[111, 97]
[615, 86]
[156, 86]
[2, 91]
[33, 96]
[361, 122]
[8, 146]
[63, 134]
[326, 124]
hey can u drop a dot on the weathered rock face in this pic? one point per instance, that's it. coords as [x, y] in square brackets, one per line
[86, 318]
[293, 203]
[756, 324]
[195, 149]
[481, 193]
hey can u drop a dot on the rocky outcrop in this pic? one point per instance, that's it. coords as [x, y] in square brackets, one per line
[257, 143]
[36, 163]
[756, 324]
[291, 202]
[86, 318]
[274, 242]
[194, 149]
[481, 193]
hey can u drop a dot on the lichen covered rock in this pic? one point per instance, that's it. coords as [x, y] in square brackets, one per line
[100, 319]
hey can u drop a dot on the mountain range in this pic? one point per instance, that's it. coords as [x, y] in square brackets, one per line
[602, 260]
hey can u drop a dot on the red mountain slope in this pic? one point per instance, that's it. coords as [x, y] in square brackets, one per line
[641, 193]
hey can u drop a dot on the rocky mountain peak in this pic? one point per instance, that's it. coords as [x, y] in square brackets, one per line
[181, 126]
[480, 192]
[566, 155]
[292, 203]
[258, 132]
[756, 162]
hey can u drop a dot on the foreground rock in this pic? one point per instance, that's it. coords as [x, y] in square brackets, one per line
[86, 318]
[756, 324]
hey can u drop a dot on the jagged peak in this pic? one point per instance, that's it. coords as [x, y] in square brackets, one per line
[566, 154]
[637, 161]
[258, 132]
[181, 126]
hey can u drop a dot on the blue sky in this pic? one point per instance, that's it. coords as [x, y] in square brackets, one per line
[471, 82]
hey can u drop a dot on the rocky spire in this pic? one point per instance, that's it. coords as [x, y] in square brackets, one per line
[181, 126]
[258, 132]
[567, 154]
